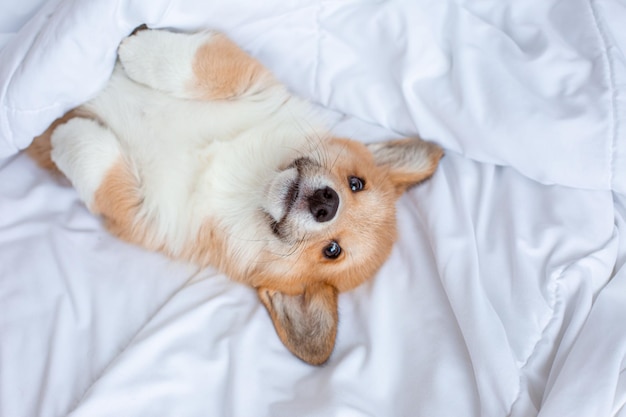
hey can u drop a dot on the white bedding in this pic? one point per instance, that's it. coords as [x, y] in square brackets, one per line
[504, 296]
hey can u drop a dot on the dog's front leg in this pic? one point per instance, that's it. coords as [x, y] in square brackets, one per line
[203, 66]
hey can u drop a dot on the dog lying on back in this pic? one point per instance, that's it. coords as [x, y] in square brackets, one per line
[194, 149]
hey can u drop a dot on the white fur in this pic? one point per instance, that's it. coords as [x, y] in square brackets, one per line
[85, 151]
[277, 191]
[143, 56]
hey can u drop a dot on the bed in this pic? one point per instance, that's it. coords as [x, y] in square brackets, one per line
[505, 294]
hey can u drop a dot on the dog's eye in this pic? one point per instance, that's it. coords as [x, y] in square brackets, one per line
[356, 184]
[332, 251]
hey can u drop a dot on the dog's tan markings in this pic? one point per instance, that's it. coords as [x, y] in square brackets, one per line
[118, 201]
[305, 323]
[41, 147]
[223, 70]
[205, 248]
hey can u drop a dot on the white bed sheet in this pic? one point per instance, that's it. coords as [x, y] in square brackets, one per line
[503, 297]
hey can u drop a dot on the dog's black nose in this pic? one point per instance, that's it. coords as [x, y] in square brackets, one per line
[323, 204]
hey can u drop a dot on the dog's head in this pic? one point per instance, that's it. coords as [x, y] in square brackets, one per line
[332, 216]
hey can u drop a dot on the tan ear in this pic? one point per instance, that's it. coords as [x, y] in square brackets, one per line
[410, 161]
[305, 323]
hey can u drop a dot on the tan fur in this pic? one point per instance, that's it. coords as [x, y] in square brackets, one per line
[118, 201]
[406, 179]
[224, 71]
[207, 247]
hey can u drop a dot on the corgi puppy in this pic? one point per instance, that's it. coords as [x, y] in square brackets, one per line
[194, 149]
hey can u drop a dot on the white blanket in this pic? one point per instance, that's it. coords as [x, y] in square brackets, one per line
[505, 295]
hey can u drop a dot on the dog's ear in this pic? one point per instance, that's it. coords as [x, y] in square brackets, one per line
[305, 323]
[409, 161]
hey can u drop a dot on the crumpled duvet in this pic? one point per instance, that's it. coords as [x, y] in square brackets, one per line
[504, 295]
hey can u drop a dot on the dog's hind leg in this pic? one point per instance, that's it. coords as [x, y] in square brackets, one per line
[204, 66]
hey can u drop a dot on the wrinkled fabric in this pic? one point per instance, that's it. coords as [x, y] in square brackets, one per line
[502, 297]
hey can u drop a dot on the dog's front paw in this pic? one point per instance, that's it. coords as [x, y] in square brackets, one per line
[160, 59]
[142, 57]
